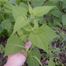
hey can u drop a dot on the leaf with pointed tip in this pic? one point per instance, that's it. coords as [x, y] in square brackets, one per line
[21, 21]
[42, 10]
[42, 37]
[19, 14]
[31, 60]
[12, 45]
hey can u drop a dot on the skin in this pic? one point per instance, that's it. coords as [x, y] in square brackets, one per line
[18, 59]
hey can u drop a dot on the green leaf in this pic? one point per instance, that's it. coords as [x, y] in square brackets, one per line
[21, 21]
[56, 13]
[64, 3]
[37, 2]
[55, 0]
[22, 34]
[19, 14]
[51, 63]
[42, 10]
[64, 20]
[12, 45]
[12, 1]
[1, 29]
[19, 11]
[30, 9]
[42, 37]
[37, 60]
[6, 24]
[31, 60]
[3, 0]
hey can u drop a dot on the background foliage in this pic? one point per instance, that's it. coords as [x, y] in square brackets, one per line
[43, 22]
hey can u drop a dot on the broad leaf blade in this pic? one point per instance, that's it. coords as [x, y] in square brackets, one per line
[42, 37]
[31, 60]
[19, 14]
[37, 2]
[19, 11]
[64, 20]
[12, 45]
[21, 21]
[43, 10]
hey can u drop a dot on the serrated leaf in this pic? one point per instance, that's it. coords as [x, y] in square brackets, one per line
[37, 2]
[51, 63]
[22, 34]
[19, 11]
[42, 10]
[6, 24]
[64, 20]
[42, 37]
[19, 14]
[21, 21]
[30, 9]
[56, 13]
[31, 60]
[12, 45]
